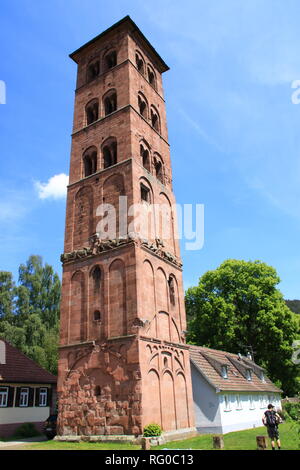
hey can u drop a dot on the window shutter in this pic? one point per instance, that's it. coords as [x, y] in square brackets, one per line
[30, 398]
[18, 392]
[37, 396]
[49, 396]
[11, 393]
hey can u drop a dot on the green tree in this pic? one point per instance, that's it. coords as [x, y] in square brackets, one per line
[29, 312]
[238, 306]
[7, 288]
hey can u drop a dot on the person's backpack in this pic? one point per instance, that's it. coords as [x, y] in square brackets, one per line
[271, 419]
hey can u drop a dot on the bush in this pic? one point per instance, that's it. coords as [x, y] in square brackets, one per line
[152, 430]
[26, 430]
[292, 410]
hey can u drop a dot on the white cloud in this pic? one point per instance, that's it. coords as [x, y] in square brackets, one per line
[55, 188]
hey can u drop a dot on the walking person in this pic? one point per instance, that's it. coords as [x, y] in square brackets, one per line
[271, 419]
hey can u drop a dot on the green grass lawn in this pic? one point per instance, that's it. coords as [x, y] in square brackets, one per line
[239, 440]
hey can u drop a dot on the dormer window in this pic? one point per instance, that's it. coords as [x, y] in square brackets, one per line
[224, 372]
[248, 374]
[262, 376]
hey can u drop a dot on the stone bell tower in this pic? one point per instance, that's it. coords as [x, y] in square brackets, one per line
[123, 361]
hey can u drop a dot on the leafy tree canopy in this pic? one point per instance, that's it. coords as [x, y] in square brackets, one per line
[29, 311]
[238, 307]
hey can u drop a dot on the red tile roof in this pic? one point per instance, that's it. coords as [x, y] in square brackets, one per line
[19, 368]
[209, 361]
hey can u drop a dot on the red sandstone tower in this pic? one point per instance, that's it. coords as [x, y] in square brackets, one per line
[123, 358]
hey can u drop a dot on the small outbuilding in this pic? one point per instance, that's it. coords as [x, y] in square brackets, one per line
[27, 391]
[230, 391]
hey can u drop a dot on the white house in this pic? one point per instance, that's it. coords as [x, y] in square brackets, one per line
[230, 391]
[27, 391]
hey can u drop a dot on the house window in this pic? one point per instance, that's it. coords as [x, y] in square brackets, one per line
[224, 372]
[24, 396]
[3, 396]
[248, 374]
[98, 391]
[252, 402]
[227, 406]
[43, 397]
[238, 403]
[262, 376]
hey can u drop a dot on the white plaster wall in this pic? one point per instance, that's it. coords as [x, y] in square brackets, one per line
[206, 404]
[24, 415]
[248, 416]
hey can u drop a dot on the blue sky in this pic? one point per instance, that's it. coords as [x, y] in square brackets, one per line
[233, 129]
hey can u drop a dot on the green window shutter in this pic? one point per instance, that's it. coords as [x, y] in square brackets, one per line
[18, 393]
[11, 393]
[49, 396]
[30, 398]
[37, 396]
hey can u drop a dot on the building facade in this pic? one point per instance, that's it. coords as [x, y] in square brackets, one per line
[230, 392]
[124, 362]
[27, 391]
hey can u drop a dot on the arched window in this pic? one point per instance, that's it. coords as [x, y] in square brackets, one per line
[151, 76]
[140, 63]
[93, 70]
[145, 193]
[110, 102]
[109, 151]
[143, 106]
[97, 316]
[90, 161]
[96, 275]
[158, 168]
[144, 153]
[171, 283]
[110, 60]
[92, 111]
[155, 122]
